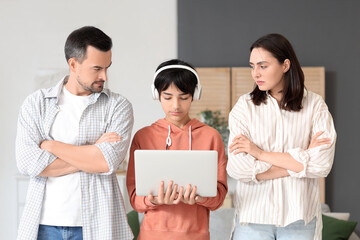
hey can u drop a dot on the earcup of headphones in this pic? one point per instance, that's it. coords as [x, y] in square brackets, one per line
[154, 92]
[197, 92]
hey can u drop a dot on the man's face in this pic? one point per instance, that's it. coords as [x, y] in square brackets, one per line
[91, 73]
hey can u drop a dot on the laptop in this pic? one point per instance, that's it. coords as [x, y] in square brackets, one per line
[183, 167]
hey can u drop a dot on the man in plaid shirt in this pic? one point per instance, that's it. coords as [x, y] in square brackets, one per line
[70, 140]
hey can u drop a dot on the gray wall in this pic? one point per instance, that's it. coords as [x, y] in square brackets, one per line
[214, 33]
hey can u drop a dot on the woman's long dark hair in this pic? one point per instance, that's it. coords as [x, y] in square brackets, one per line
[293, 90]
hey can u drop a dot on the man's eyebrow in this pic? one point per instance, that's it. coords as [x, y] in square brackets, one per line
[100, 67]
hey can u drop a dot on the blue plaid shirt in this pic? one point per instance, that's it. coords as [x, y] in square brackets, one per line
[103, 211]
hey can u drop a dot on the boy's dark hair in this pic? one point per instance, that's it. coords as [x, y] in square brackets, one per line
[183, 79]
[78, 41]
[293, 90]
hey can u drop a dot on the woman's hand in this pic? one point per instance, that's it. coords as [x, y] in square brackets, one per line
[170, 197]
[315, 142]
[190, 196]
[241, 144]
[110, 137]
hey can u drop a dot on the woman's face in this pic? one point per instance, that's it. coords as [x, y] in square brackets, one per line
[176, 105]
[266, 70]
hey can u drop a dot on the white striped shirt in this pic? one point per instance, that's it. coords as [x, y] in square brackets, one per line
[285, 200]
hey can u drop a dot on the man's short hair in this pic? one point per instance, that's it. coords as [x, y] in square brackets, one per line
[78, 41]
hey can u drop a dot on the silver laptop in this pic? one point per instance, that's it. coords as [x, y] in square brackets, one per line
[183, 167]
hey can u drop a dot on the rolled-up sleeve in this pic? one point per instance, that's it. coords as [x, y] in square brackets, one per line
[242, 166]
[31, 160]
[319, 160]
[121, 122]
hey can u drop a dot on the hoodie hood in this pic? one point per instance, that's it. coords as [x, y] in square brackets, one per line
[175, 132]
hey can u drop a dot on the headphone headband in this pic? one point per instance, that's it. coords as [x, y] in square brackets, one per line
[176, 66]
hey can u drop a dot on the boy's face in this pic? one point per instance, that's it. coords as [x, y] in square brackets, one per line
[176, 105]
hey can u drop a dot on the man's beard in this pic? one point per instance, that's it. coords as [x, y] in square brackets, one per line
[92, 87]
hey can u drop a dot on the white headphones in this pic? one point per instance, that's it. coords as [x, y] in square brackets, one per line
[197, 92]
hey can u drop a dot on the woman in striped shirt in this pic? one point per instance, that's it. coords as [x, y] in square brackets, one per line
[282, 141]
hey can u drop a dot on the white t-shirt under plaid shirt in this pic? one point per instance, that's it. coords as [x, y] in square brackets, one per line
[103, 212]
[285, 200]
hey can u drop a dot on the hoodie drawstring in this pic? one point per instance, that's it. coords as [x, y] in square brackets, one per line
[190, 137]
[168, 139]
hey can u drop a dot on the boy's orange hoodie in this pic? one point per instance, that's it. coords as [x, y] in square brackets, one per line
[181, 221]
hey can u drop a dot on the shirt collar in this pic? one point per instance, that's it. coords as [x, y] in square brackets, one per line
[305, 93]
[55, 91]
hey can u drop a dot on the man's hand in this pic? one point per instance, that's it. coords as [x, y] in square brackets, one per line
[46, 145]
[110, 137]
[315, 142]
[106, 137]
[169, 198]
[69, 156]
[241, 144]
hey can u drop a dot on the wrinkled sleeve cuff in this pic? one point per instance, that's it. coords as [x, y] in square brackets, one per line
[204, 201]
[301, 156]
[148, 203]
[48, 158]
[110, 157]
[259, 167]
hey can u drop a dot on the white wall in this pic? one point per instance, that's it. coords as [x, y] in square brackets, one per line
[32, 38]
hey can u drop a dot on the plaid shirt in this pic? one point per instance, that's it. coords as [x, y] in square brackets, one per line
[103, 212]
